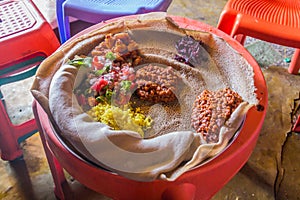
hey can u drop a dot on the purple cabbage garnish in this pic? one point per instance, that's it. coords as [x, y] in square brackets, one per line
[190, 51]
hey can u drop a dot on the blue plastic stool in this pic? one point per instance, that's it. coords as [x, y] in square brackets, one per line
[95, 11]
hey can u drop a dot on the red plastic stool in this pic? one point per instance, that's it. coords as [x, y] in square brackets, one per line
[273, 21]
[25, 40]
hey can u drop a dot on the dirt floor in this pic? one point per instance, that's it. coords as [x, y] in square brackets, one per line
[272, 171]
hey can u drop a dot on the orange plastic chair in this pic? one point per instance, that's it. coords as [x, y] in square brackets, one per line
[25, 40]
[269, 20]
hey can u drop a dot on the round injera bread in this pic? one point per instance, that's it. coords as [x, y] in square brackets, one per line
[174, 146]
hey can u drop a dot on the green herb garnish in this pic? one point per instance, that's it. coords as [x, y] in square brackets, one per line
[108, 94]
[110, 55]
[106, 98]
[78, 62]
[125, 85]
[105, 69]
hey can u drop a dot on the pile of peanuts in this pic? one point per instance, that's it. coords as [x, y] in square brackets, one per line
[211, 110]
[157, 84]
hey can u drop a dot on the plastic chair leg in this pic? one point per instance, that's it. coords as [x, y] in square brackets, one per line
[295, 64]
[226, 22]
[64, 28]
[61, 21]
[10, 149]
[55, 168]
[228, 25]
[240, 38]
[67, 27]
[56, 171]
[12, 135]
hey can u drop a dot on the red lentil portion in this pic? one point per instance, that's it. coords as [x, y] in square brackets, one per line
[211, 110]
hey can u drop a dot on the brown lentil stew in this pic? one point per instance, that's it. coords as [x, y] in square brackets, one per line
[157, 84]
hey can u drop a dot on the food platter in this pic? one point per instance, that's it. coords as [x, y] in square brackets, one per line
[174, 147]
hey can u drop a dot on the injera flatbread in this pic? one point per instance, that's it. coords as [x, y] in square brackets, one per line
[168, 155]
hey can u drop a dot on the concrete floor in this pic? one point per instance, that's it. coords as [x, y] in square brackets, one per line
[272, 171]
